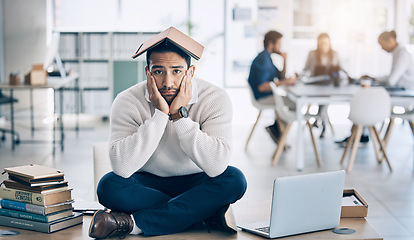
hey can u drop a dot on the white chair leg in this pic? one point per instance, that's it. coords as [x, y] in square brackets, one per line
[358, 133]
[330, 124]
[381, 143]
[251, 133]
[388, 131]
[315, 147]
[411, 126]
[376, 144]
[281, 144]
[348, 144]
[388, 135]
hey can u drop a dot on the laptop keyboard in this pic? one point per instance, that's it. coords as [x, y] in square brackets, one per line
[264, 229]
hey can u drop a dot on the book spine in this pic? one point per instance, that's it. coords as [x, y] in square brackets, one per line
[24, 224]
[23, 215]
[25, 207]
[22, 196]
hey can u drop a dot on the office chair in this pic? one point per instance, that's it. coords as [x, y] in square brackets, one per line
[407, 115]
[369, 106]
[8, 100]
[260, 107]
[288, 117]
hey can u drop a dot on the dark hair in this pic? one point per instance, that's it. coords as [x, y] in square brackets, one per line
[271, 36]
[167, 46]
[387, 35]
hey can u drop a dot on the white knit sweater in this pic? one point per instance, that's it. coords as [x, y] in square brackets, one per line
[143, 138]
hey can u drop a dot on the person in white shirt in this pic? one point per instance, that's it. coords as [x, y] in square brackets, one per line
[170, 145]
[402, 69]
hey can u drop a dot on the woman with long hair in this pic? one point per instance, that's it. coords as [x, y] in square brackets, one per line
[322, 61]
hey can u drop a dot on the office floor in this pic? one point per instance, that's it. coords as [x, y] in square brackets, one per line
[390, 195]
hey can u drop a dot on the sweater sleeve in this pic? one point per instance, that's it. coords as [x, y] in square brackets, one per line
[208, 144]
[400, 64]
[133, 140]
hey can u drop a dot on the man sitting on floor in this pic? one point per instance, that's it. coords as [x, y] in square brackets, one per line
[170, 145]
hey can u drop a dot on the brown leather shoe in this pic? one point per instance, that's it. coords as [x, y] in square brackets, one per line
[108, 223]
[223, 220]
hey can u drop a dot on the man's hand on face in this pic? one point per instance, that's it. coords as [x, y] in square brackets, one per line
[155, 96]
[283, 54]
[185, 94]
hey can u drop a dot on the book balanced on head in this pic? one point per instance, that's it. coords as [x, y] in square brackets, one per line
[37, 198]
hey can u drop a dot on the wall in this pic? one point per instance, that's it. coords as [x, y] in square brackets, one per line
[24, 39]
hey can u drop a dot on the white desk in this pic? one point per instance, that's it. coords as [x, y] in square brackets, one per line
[303, 95]
[58, 85]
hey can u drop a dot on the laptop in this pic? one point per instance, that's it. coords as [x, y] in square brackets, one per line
[302, 204]
[387, 87]
[322, 75]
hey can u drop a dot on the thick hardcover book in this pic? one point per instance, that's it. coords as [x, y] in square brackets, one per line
[38, 189]
[35, 217]
[179, 39]
[36, 209]
[42, 199]
[34, 171]
[36, 182]
[49, 227]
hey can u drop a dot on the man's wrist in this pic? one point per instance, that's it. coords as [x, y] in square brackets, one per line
[181, 113]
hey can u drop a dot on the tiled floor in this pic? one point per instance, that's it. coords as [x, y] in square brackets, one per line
[390, 195]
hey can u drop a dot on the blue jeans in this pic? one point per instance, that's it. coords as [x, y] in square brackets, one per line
[166, 205]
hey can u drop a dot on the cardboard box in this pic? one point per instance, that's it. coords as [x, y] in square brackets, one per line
[14, 79]
[37, 76]
[354, 211]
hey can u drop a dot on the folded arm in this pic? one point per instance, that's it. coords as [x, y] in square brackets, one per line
[133, 140]
[208, 144]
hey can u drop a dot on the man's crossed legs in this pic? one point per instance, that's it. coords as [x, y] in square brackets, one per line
[166, 205]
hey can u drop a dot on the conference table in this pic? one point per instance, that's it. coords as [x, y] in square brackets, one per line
[305, 94]
[58, 85]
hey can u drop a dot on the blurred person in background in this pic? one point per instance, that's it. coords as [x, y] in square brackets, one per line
[322, 60]
[263, 71]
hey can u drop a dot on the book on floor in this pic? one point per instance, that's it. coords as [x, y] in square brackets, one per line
[34, 171]
[36, 182]
[42, 199]
[36, 217]
[50, 227]
[37, 189]
[36, 209]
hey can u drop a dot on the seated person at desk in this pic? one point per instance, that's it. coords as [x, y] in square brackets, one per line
[322, 61]
[170, 145]
[263, 71]
[402, 69]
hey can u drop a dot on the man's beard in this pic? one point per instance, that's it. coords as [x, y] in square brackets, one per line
[172, 93]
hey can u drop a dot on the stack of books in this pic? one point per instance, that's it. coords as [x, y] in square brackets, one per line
[37, 198]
